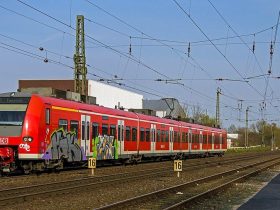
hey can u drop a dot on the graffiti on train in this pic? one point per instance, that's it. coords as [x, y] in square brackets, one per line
[65, 145]
[105, 147]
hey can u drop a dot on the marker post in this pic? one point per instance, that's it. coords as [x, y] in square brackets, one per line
[178, 167]
[92, 165]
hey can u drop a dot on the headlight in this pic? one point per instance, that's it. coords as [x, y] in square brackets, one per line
[27, 139]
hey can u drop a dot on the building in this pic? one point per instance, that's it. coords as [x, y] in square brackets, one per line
[100, 93]
[231, 139]
[165, 107]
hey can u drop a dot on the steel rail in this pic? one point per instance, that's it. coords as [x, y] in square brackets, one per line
[16, 193]
[159, 193]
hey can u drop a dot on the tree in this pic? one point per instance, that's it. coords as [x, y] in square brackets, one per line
[232, 129]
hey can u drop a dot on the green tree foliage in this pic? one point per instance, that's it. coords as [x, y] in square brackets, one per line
[260, 133]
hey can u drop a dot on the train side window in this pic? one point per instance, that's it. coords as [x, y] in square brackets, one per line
[88, 125]
[195, 138]
[134, 134]
[213, 138]
[148, 135]
[179, 137]
[183, 137]
[63, 124]
[142, 134]
[166, 136]
[95, 128]
[190, 137]
[162, 136]
[200, 138]
[216, 141]
[158, 136]
[204, 139]
[220, 142]
[74, 127]
[113, 131]
[120, 133]
[104, 129]
[127, 133]
[83, 129]
[224, 140]
[48, 116]
[175, 136]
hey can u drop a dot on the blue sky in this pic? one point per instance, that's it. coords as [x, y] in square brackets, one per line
[167, 54]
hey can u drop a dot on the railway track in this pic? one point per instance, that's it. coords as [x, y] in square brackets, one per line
[84, 172]
[54, 188]
[183, 195]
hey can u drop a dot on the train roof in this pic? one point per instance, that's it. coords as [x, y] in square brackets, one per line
[117, 112]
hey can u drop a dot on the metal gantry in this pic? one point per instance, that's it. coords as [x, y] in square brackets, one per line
[80, 61]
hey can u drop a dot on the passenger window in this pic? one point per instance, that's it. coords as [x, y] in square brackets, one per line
[148, 135]
[216, 139]
[175, 136]
[113, 131]
[47, 116]
[162, 136]
[74, 127]
[204, 139]
[120, 132]
[134, 134]
[104, 129]
[95, 128]
[142, 134]
[158, 135]
[179, 137]
[83, 129]
[87, 130]
[190, 137]
[166, 136]
[127, 133]
[183, 137]
[63, 124]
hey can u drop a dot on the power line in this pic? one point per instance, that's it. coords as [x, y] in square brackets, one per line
[228, 61]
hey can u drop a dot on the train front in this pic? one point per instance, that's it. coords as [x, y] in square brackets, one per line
[12, 112]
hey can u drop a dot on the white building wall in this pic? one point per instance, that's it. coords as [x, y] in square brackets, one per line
[110, 96]
[161, 113]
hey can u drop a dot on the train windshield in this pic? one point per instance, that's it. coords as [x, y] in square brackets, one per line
[11, 119]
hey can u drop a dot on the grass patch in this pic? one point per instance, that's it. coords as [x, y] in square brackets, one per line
[250, 149]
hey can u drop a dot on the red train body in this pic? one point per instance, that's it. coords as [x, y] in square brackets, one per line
[41, 132]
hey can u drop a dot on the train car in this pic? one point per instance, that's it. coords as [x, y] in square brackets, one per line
[39, 133]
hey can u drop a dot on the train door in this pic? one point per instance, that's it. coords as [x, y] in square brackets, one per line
[190, 140]
[85, 134]
[120, 136]
[171, 138]
[213, 141]
[48, 123]
[153, 138]
[200, 140]
[220, 141]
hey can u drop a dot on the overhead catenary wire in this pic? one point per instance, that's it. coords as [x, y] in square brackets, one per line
[228, 61]
[125, 55]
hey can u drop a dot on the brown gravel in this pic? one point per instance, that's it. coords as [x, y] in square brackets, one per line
[96, 197]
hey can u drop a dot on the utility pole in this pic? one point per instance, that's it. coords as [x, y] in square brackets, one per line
[218, 107]
[246, 128]
[80, 61]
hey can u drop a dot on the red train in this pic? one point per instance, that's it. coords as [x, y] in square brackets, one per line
[38, 133]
